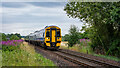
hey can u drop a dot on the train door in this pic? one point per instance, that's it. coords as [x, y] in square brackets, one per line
[53, 37]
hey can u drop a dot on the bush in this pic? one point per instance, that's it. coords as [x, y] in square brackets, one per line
[9, 48]
[114, 49]
[14, 37]
[73, 35]
[3, 37]
[10, 45]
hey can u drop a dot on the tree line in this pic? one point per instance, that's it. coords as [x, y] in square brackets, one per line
[74, 35]
[103, 19]
[5, 37]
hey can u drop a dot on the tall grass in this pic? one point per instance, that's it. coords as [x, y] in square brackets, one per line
[23, 58]
[21, 54]
[84, 46]
[0, 58]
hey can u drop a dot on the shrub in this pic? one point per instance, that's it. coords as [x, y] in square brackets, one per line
[14, 37]
[9, 48]
[73, 35]
[3, 37]
[10, 45]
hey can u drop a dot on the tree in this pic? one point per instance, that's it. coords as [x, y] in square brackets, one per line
[17, 34]
[3, 37]
[66, 37]
[9, 35]
[73, 35]
[103, 19]
[14, 37]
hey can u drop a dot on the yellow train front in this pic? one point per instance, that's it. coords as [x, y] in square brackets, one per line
[52, 37]
[49, 37]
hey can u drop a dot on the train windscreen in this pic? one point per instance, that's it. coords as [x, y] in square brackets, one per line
[47, 34]
[58, 33]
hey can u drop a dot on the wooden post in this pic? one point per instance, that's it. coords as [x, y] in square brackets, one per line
[87, 51]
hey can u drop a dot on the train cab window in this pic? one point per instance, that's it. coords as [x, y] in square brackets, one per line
[58, 33]
[43, 34]
[47, 34]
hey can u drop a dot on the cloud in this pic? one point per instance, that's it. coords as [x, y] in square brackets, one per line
[47, 4]
[29, 9]
[33, 0]
[0, 17]
[60, 0]
[25, 29]
[32, 13]
[17, 11]
[13, 5]
[29, 18]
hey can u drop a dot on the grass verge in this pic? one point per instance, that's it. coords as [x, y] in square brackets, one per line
[87, 50]
[82, 49]
[108, 57]
[25, 56]
[0, 58]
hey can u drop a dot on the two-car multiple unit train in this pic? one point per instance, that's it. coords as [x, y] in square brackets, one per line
[49, 37]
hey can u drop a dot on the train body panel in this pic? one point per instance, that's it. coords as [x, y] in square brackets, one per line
[50, 36]
[53, 36]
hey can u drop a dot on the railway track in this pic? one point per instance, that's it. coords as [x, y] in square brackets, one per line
[82, 60]
[75, 60]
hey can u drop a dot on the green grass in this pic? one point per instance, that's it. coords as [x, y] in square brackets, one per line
[24, 56]
[82, 49]
[87, 49]
[0, 58]
[108, 57]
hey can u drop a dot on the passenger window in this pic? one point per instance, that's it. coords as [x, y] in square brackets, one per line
[47, 34]
[58, 33]
[43, 34]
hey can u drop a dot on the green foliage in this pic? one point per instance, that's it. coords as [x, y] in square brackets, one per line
[73, 35]
[1, 58]
[26, 37]
[23, 58]
[108, 57]
[9, 48]
[20, 57]
[14, 37]
[3, 37]
[18, 35]
[103, 19]
[0, 36]
[66, 37]
[114, 48]
[9, 35]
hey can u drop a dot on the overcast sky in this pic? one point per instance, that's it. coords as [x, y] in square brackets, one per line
[27, 17]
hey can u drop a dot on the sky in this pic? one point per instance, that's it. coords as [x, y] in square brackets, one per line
[28, 17]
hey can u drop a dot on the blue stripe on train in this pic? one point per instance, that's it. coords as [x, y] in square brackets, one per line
[41, 39]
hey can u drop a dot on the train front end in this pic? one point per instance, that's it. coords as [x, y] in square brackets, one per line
[52, 37]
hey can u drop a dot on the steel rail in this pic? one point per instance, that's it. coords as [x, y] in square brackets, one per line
[90, 60]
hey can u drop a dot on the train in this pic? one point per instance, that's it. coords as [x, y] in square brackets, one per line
[49, 37]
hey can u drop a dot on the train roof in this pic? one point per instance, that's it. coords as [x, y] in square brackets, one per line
[31, 34]
[51, 25]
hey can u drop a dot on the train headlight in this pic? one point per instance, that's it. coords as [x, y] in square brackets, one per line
[58, 38]
[47, 38]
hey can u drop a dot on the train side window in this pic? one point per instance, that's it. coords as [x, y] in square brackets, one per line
[43, 34]
[47, 34]
[58, 33]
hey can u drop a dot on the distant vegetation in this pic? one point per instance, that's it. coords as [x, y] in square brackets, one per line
[5, 37]
[74, 36]
[103, 24]
[16, 53]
